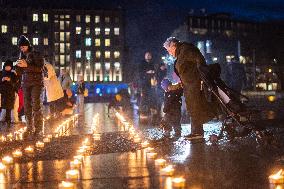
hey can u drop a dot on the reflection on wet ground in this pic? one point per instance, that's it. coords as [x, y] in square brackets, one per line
[230, 164]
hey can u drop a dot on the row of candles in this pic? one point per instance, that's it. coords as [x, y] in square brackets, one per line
[161, 164]
[73, 174]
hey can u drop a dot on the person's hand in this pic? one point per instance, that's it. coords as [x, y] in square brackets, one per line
[22, 63]
[6, 79]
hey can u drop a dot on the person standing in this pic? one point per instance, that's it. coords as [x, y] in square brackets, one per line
[80, 95]
[65, 81]
[188, 59]
[31, 63]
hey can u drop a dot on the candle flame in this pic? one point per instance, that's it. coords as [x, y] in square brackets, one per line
[278, 175]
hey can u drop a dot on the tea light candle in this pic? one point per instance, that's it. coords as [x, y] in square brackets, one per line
[10, 137]
[2, 167]
[144, 144]
[72, 174]
[277, 178]
[17, 154]
[66, 185]
[137, 139]
[79, 157]
[96, 137]
[167, 171]
[160, 162]
[7, 160]
[39, 144]
[29, 150]
[151, 155]
[75, 164]
[2, 138]
[46, 140]
[178, 182]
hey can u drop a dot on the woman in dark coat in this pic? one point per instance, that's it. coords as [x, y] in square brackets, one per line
[188, 59]
[8, 87]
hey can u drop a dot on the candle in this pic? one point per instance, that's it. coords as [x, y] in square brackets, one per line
[29, 150]
[72, 174]
[81, 151]
[17, 154]
[96, 137]
[46, 140]
[160, 162]
[79, 157]
[7, 160]
[144, 144]
[137, 139]
[151, 155]
[167, 171]
[277, 178]
[149, 149]
[86, 141]
[2, 138]
[178, 182]
[75, 164]
[39, 144]
[2, 167]
[66, 185]
[10, 137]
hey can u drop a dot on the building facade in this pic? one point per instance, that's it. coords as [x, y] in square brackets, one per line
[85, 42]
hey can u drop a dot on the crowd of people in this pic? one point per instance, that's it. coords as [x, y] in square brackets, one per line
[32, 82]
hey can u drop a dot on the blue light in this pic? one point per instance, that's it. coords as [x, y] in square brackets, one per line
[98, 90]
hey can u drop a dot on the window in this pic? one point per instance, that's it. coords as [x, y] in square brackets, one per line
[88, 55]
[97, 31]
[67, 58]
[67, 46]
[116, 54]
[116, 19]
[4, 29]
[56, 58]
[88, 19]
[61, 25]
[88, 41]
[78, 53]
[62, 59]
[35, 17]
[62, 36]
[88, 31]
[107, 54]
[107, 19]
[45, 17]
[67, 36]
[67, 16]
[67, 25]
[25, 29]
[97, 19]
[78, 18]
[45, 41]
[98, 54]
[62, 48]
[78, 30]
[35, 41]
[116, 31]
[107, 31]
[107, 42]
[14, 40]
[97, 42]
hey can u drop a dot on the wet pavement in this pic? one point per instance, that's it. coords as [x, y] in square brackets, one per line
[115, 161]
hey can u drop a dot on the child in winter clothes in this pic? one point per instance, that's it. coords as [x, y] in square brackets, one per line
[172, 109]
[8, 88]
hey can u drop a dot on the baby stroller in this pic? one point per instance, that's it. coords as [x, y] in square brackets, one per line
[238, 119]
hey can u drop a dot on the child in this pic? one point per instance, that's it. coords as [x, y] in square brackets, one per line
[172, 109]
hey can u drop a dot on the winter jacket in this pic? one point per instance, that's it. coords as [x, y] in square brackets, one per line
[145, 78]
[65, 81]
[173, 101]
[189, 58]
[81, 88]
[8, 89]
[32, 75]
[52, 85]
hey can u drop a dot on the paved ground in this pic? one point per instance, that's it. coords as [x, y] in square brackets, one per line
[230, 164]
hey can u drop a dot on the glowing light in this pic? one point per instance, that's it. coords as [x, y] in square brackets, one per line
[75, 164]
[151, 155]
[144, 144]
[149, 149]
[39, 144]
[271, 98]
[17, 153]
[96, 137]
[178, 182]
[29, 150]
[7, 160]
[160, 162]
[66, 185]
[277, 178]
[167, 171]
[46, 140]
[2, 167]
[72, 174]
[79, 157]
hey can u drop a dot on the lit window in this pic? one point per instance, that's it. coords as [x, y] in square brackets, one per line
[67, 46]
[116, 64]
[88, 55]
[61, 25]
[97, 19]
[62, 16]
[56, 58]
[35, 41]
[45, 17]
[62, 59]
[78, 30]
[78, 18]
[107, 31]
[107, 42]
[116, 31]
[88, 31]
[62, 36]
[116, 54]
[97, 42]
[107, 19]
[97, 31]
[67, 16]
[78, 54]
[67, 24]
[14, 40]
[67, 35]
[35, 17]
[98, 54]
[88, 19]
[25, 29]
[62, 48]
[107, 54]
[67, 58]
[4, 29]
[45, 41]
[88, 41]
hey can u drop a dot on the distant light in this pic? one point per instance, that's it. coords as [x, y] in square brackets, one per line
[271, 98]
[98, 90]
[215, 59]
[269, 70]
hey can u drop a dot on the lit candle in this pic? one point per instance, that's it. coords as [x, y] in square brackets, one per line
[160, 162]
[75, 164]
[96, 137]
[7, 160]
[178, 182]
[149, 149]
[72, 174]
[277, 178]
[144, 144]
[46, 140]
[10, 137]
[167, 171]
[17, 154]
[29, 150]
[2, 167]
[151, 155]
[79, 157]
[137, 139]
[81, 151]
[86, 141]
[2, 138]
[66, 185]
[39, 144]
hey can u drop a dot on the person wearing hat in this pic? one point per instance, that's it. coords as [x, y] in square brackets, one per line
[31, 63]
[8, 88]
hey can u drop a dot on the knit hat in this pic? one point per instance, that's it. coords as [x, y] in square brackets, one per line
[165, 83]
[8, 63]
[23, 41]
